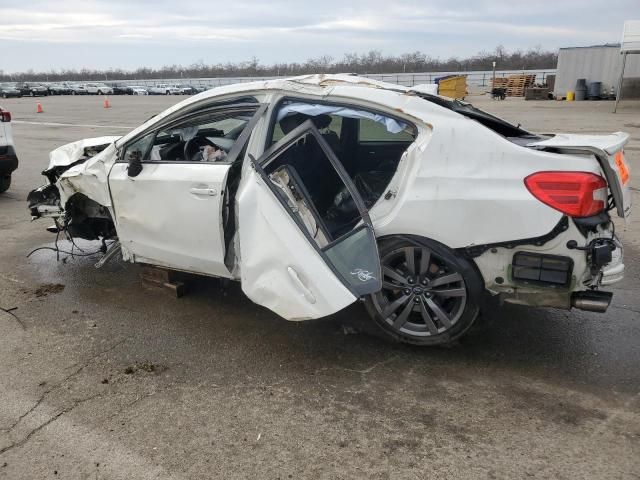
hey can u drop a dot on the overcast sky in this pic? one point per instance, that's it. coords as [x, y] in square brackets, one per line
[52, 34]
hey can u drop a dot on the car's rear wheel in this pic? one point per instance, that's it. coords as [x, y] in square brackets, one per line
[430, 294]
[5, 183]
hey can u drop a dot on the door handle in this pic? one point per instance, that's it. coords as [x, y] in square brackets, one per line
[204, 191]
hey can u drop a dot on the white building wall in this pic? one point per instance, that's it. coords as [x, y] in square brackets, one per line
[597, 64]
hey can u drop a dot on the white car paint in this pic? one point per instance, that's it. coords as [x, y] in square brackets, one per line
[98, 88]
[459, 183]
[8, 156]
[139, 91]
[140, 204]
[430, 88]
[6, 134]
[164, 89]
[279, 268]
[74, 151]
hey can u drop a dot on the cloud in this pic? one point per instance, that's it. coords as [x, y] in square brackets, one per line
[42, 34]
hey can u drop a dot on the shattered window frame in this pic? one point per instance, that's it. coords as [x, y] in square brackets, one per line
[366, 277]
[244, 103]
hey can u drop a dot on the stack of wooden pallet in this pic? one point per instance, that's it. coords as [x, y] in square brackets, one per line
[516, 84]
[499, 82]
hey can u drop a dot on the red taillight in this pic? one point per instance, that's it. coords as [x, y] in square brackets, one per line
[5, 116]
[577, 194]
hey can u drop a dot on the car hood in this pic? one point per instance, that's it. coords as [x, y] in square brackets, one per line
[72, 152]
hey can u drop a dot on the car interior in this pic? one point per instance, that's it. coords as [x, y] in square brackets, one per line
[366, 148]
[188, 142]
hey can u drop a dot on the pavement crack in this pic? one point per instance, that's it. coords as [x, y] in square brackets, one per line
[135, 401]
[32, 432]
[625, 308]
[371, 368]
[80, 367]
[9, 311]
[608, 421]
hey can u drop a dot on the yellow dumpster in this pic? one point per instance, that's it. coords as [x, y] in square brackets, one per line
[454, 86]
[570, 96]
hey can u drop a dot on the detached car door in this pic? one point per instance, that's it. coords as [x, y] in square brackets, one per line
[168, 188]
[307, 246]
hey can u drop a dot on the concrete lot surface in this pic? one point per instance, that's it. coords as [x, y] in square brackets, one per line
[103, 378]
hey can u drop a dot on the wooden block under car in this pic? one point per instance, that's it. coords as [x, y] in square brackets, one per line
[163, 278]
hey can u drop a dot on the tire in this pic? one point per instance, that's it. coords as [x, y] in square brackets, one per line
[99, 92]
[430, 294]
[5, 183]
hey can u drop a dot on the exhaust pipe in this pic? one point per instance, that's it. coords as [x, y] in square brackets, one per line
[591, 300]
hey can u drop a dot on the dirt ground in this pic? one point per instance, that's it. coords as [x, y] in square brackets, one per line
[103, 378]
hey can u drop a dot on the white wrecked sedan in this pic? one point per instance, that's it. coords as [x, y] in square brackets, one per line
[320, 190]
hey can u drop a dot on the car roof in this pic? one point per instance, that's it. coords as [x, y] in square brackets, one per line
[398, 99]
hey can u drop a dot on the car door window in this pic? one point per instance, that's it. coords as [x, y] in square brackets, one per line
[208, 136]
[372, 131]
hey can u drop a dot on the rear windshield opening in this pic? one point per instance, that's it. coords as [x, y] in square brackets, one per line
[498, 125]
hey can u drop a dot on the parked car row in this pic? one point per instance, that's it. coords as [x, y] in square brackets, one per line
[35, 89]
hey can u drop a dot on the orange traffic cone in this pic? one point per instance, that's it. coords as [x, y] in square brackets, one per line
[39, 108]
[106, 103]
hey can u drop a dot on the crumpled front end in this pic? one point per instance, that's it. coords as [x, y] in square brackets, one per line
[45, 200]
[77, 195]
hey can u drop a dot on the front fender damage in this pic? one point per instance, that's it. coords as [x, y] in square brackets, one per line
[77, 196]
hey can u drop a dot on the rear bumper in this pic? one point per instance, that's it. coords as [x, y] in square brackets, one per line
[568, 270]
[8, 160]
[613, 272]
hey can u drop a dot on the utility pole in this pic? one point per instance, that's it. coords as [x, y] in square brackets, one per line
[493, 82]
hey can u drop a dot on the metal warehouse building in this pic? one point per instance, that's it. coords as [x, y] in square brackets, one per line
[598, 63]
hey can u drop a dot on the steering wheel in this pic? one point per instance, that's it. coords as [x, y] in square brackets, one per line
[197, 142]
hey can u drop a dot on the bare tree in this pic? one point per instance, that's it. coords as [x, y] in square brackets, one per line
[371, 62]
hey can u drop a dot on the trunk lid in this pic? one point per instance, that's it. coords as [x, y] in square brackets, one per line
[608, 149]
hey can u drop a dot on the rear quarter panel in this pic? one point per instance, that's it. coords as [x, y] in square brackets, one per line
[462, 185]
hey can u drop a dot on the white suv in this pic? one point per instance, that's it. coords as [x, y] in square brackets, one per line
[98, 89]
[164, 89]
[8, 157]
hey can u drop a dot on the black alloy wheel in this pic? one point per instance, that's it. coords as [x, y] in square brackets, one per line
[430, 294]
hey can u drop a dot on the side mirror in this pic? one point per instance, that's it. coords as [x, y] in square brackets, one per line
[135, 164]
